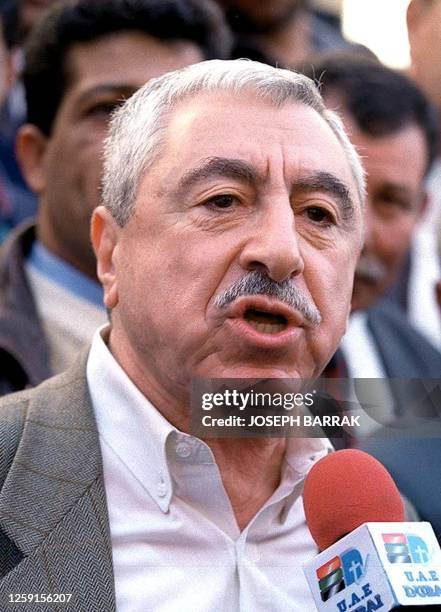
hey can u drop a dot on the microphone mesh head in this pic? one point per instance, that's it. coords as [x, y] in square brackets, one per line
[346, 489]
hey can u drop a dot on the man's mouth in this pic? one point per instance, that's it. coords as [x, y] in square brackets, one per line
[265, 322]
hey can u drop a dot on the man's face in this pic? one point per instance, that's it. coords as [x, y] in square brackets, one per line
[424, 25]
[104, 72]
[31, 11]
[250, 16]
[241, 186]
[395, 166]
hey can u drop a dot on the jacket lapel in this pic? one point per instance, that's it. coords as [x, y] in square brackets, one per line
[52, 504]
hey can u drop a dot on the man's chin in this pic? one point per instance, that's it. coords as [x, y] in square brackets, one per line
[256, 371]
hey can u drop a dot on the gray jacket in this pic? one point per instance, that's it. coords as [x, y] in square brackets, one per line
[24, 354]
[54, 528]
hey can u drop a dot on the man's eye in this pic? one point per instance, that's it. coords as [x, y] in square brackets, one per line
[104, 109]
[319, 215]
[391, 205]
[221, 201]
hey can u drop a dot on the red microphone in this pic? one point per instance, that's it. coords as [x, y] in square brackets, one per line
[346, 489]
[371, 558]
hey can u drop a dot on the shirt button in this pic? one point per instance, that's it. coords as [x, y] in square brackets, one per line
[162, 489]
[183, 450]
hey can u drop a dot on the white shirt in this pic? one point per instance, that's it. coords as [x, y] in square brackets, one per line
[364, 361]
[176, 545]
[68, 320]
[358, 347]
[423, 309]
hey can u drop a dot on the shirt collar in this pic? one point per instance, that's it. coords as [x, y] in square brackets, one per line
[65, 275]
[129, 423]
[302, 453]
[140, 436]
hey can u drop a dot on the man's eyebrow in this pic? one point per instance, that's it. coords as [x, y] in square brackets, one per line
[123, 90]
[328, 183]
[395, 188]
[236, 169]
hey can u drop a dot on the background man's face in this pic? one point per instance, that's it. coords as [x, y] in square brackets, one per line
[395, 166]
[203, 221]
[31, 11]
[104, 73]
[261, 16]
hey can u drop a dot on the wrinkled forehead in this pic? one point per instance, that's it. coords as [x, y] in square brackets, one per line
[292, 138]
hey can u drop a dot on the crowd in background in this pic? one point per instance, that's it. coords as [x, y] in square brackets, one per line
[62, 72]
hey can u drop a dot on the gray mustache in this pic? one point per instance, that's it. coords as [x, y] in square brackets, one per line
[258, 283]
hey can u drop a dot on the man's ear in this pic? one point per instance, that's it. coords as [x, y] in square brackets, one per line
[104, 236]
[31, 146]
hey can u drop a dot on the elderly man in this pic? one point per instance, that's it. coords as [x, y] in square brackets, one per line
[226, 247]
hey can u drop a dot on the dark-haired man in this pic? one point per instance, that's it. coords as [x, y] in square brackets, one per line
[16, 203]
[279, 32]
[83, 59]
[394, 129]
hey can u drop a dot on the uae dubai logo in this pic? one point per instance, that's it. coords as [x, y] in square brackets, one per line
[405, 548]
[340, 572]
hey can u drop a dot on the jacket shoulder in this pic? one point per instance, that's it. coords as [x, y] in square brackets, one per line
[13, 409]
[48, 402]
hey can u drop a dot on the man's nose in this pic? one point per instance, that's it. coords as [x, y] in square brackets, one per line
[274, 246]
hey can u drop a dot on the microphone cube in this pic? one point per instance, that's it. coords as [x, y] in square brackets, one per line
[378, 566]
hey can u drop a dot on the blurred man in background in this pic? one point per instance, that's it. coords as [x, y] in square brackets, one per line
[82, 61]
[279, 32]
[20, 16]
[16, 203]
[395, 131]
[30, 12]
[424, 27]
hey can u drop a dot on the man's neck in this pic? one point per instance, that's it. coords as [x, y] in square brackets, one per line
[86, 264]
[250, 470]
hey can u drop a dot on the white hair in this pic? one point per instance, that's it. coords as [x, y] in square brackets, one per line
[137, 129]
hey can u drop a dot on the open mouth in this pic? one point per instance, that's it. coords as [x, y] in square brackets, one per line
[265, 322]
